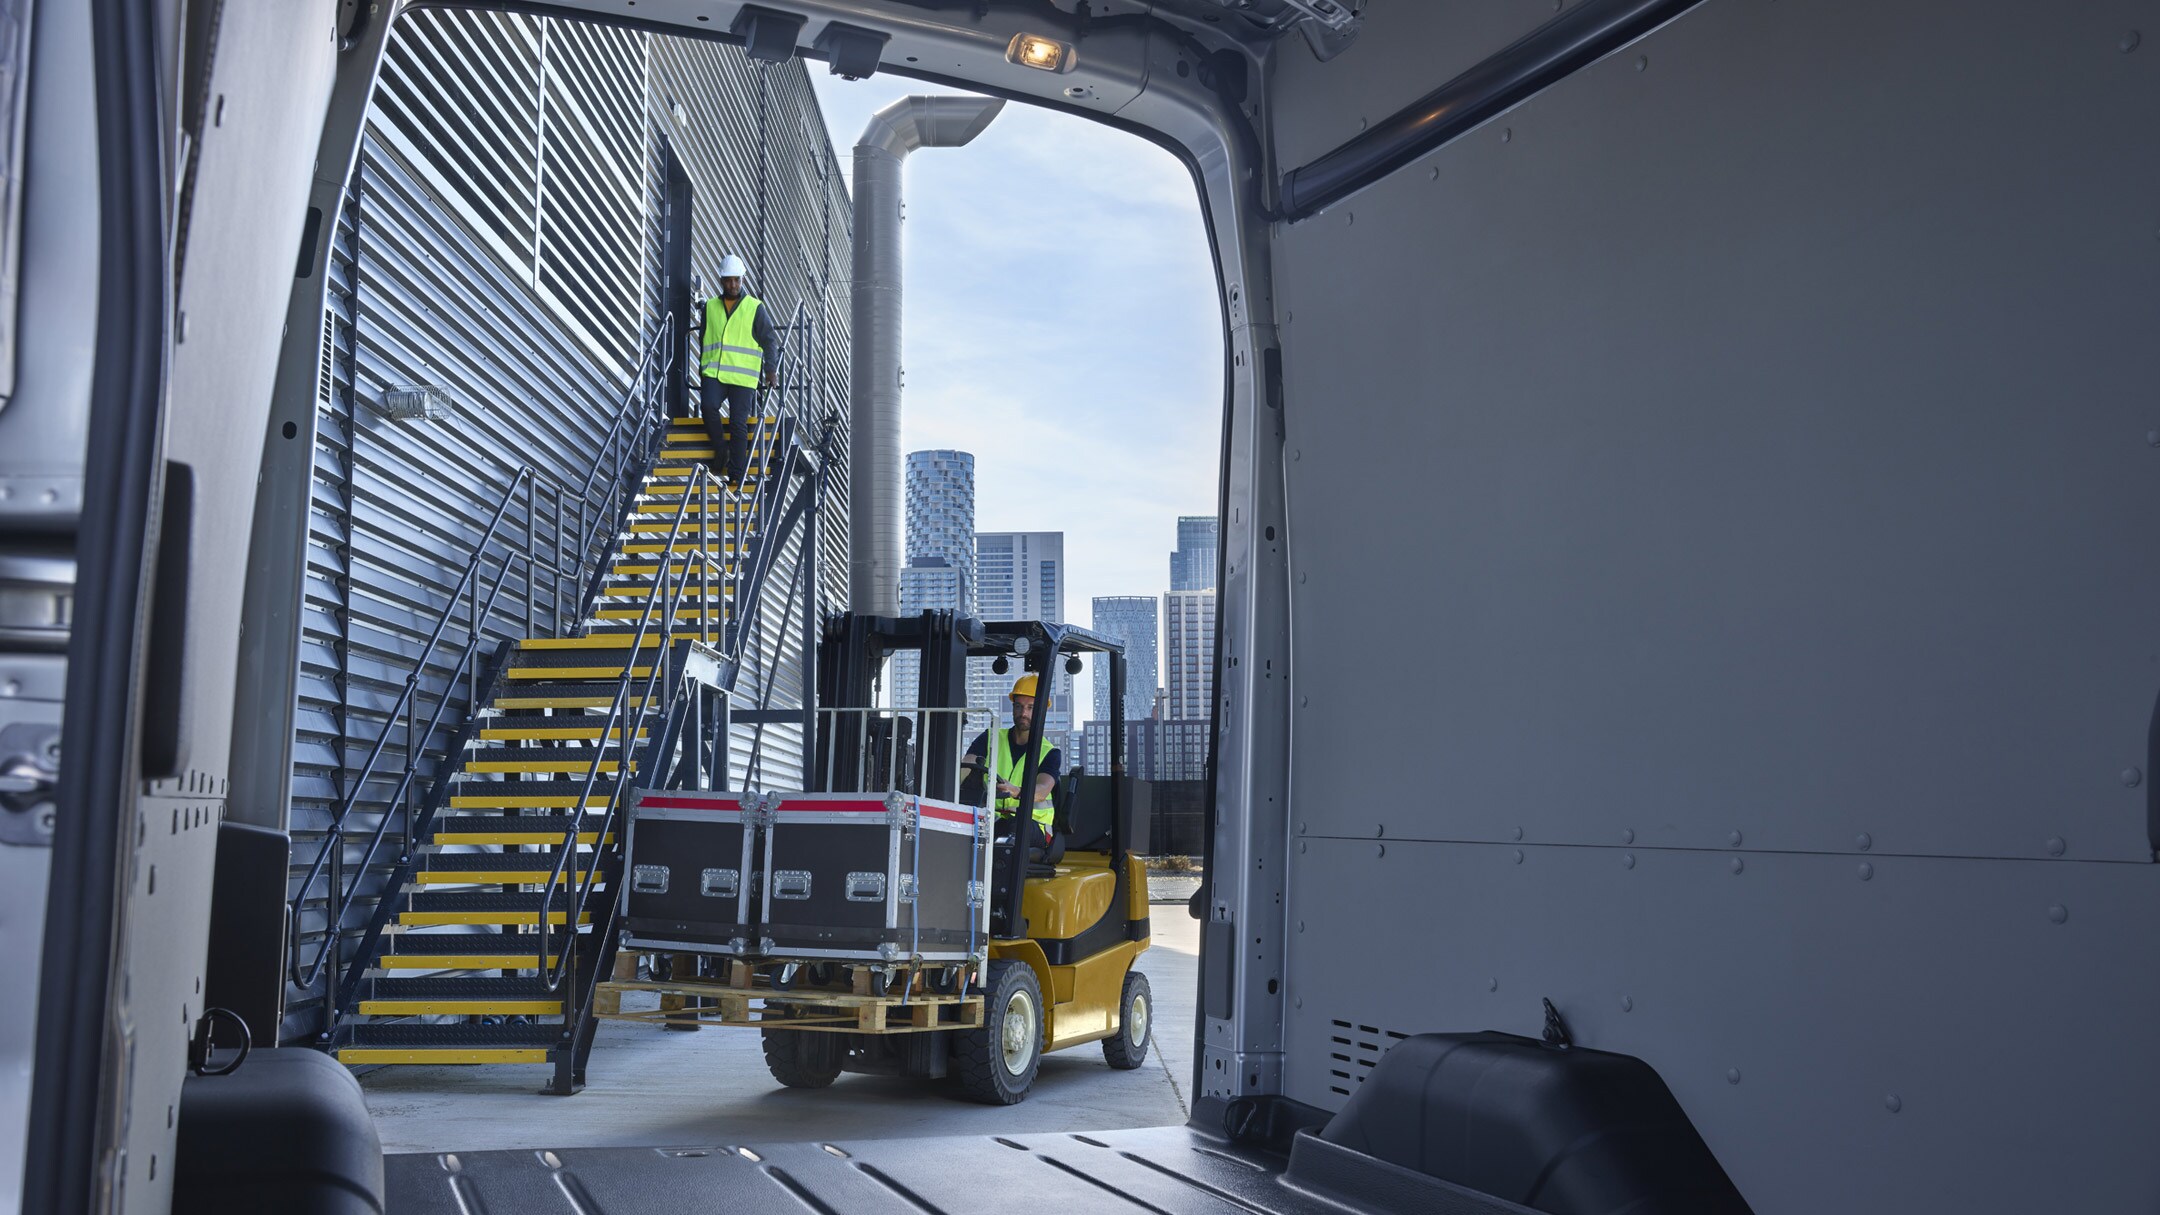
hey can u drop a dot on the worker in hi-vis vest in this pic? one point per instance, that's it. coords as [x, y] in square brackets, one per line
[1003, 755]
[735, 361]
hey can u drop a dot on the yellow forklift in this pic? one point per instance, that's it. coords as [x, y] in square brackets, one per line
[885, 919]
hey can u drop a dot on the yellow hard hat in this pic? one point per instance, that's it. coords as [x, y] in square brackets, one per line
[1025, 685]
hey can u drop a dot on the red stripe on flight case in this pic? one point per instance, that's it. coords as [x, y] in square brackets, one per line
[728, 802]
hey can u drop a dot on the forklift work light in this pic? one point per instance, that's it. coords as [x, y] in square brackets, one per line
[1036, 51]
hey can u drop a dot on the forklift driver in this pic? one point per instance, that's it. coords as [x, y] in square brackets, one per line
[1008, 764]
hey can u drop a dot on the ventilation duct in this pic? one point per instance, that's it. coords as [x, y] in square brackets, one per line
[875, 514]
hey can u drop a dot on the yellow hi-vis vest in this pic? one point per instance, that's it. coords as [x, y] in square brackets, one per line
[1010, 766]
[731, 353]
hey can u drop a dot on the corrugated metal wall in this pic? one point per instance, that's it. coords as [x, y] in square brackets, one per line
[733, 123]
[500, 240]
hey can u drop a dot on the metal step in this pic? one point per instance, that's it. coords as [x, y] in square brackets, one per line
[551, 729]
[459, 996]
[443, 987]
[573, 667]
[372, 1043]
[484, 907]
[533, 696]
[668, 510]
[548, 645]
[683, 429]
[492, 868]
[678, 545]
[638, 613]
[464, 951]
[692, 528]
[641, 589]
[555, 763]
[511, 829]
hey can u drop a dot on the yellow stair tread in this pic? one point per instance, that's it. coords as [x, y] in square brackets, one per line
[665, 491]
[558, 674]
[541, 765]
[515, 835]
[667, 509]
[554, 733]
[598, 700]
[529, 801]
[490, 877]
[681, 615]
[458, 1008]
[371, 1054]
[461, 961]
[441, 919]
[648, 568]
[580, 643]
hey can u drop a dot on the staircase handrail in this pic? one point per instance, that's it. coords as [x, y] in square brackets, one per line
[334, 837]
[626, 449]
[615, 448]
[665, 598]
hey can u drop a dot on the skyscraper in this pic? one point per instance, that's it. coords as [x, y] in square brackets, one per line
[940, 570]
[1132, 620]
[1189, 645]
[1023, 578]
[1192, 564]
[941, 516]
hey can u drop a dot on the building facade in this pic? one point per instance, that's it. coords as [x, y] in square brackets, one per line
[1189, 655]
[1023, 578]
[1192, 563]
[940, 574]
[512, 194]
[941, 517]
[1131, 619]
[1155, 750]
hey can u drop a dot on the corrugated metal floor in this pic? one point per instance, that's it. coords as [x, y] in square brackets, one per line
[1164, 1171]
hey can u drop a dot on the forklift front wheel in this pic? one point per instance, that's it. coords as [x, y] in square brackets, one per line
[1127, 1048]
[997, 1063]
[802, 1059]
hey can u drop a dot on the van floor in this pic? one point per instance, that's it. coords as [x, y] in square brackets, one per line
[648, 1086]
[1160, 1171]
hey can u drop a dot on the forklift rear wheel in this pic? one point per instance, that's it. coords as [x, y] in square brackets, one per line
[996, 1064]
[801, 1059]
[1127, 1048]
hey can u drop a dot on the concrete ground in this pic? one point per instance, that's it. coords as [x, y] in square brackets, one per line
[652, 1087]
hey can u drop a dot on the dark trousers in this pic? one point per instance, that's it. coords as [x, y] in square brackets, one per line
[731, 444]
[1036, 837]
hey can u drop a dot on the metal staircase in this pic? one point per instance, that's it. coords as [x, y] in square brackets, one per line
[497, 920]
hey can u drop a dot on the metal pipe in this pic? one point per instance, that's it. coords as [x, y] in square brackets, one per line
[1553, 51]
[874, 368]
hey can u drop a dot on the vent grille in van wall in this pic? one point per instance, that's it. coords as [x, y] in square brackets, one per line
[1353, 1050]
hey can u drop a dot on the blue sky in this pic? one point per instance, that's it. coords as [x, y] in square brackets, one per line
[1059, 285]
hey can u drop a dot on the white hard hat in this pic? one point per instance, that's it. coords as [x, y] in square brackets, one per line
[732, 266]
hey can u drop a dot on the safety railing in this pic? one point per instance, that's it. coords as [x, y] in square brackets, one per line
[330, 856]
[670, 582]
[625, 450]
[883, 750]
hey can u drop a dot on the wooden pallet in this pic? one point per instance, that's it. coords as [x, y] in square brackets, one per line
[810, 1009]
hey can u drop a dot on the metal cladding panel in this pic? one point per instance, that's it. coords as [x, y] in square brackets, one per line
[768, 188]
[1767, 467]
[500, 240]
[434, 283]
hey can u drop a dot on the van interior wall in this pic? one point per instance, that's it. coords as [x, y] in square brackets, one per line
[1721, 499]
